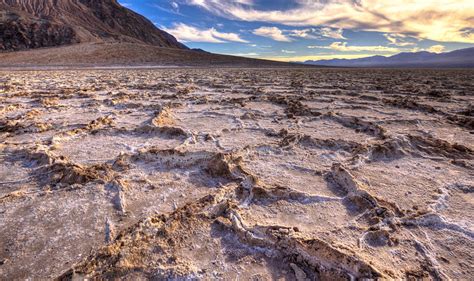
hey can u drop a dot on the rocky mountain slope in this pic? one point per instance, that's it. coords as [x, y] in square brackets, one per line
[28, 24]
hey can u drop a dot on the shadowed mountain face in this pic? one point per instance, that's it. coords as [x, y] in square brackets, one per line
[458, 58]
[27, 24]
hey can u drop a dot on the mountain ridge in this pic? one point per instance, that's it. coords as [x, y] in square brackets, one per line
[105, 54]
[457, 58]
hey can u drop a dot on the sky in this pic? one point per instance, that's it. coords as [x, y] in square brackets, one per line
[300, 30]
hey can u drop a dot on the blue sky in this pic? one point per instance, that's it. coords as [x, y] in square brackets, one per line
[298, 30]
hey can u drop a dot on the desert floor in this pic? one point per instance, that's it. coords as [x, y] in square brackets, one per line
[237, 173]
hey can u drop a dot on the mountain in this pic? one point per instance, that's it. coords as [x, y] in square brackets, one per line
[458, 58]
[112, 54]
[30, 24]
[84, 33]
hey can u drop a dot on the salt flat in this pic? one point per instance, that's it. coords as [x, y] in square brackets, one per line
[237, 173]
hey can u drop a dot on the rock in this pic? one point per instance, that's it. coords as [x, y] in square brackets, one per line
[299, 273]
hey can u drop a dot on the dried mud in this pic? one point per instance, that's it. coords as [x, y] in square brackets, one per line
[237, 174]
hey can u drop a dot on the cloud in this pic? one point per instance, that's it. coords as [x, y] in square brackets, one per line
[317, 33]
[234, 37]
[342, 47]
[436, 49]
[399, 40]
[335, 33]
[187, 33]
[213, 4]
[244, 54]
[306, 33]
[288, 52]
[172, 9]
[444, 20]
[415, 50]
[272, 32]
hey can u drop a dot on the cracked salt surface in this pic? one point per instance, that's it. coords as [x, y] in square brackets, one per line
[236, 173]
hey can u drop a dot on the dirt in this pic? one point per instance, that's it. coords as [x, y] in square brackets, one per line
[261, 174]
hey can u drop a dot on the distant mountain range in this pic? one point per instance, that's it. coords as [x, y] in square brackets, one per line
[458, 58]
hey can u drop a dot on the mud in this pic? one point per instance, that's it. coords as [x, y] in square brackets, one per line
[236, 174]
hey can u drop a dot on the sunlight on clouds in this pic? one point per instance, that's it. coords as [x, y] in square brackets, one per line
[273, 33]
[308, 33]
[186, 33]
[399, 40]
[342, 47]
[242, 54]
[436, 49]
[317, 33]
[443, 20]
[335, 33]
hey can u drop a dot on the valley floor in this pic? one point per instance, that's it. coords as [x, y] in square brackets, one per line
[237, 173]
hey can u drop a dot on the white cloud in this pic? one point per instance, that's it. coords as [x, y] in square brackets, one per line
[288, 52]
[210, 4]
[436, 49]
[306, 33]
[399, 40]
[443, 20]
[173, 9]
[187, 33]
[272, 32]
[244, 54]
[415, 50]
[335, 33]
[433, 49]
[317, 33]
[342, 47]
[234, 37]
